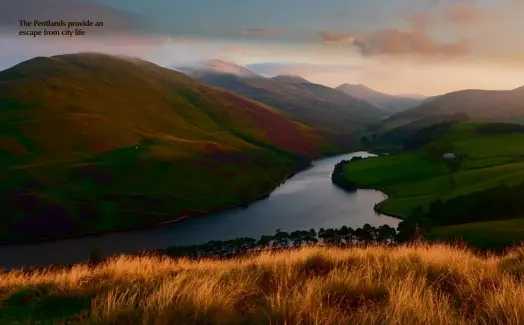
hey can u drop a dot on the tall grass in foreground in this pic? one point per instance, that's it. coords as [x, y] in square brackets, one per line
[418, 284]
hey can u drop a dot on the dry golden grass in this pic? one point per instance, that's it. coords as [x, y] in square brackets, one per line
[410, 285]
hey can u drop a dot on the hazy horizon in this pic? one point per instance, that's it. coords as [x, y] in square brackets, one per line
[425, 47]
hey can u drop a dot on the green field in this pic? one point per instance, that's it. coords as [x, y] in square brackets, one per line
[489, 235]
[414, 179]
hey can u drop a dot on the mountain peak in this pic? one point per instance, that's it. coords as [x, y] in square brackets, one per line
[290, 78]
[355, 86]
[363, 92]
[218, 67]
[519, 89]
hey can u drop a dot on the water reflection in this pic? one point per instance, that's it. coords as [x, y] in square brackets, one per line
[308, 200]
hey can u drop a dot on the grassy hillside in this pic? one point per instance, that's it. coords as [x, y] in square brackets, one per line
[337, 114]
[477, 105]
[401, 285]
[493, 235]
[416, 178]
[391, 136]
[93, 142]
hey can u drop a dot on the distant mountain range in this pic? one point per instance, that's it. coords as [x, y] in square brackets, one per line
[390, 102]
[338, 114]
[348, 109]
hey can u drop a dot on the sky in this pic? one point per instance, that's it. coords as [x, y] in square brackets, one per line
[428, 47]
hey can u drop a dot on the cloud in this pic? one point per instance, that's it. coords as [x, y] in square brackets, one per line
[182, 40]
[237, 49]
[445, 30]
[408, 42]
[458, 13]
[334, 37]
[270, 31]
[297, 69]
[463, 13]
[419, 20]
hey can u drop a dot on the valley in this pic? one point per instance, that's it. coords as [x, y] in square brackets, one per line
[74, 165]
[337, 115]
[262, 163]
[160, 143]
[91, 143]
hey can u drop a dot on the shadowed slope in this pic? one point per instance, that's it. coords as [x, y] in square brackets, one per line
[337, 114]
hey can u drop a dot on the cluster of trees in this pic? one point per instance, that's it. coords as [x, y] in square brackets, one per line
[425, 136]
[496, 203]
[343, 236]
[338, 178]
[415, 134]
[500, 128]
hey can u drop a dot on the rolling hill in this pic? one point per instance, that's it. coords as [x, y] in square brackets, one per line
[392, 103]
[337, 114]
[92, 142]
[395, 136]
[479, 105]
[491, 155]
[465, 105]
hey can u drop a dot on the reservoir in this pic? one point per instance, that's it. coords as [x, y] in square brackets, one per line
[307, 200]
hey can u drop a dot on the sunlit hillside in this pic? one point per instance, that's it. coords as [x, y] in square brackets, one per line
[409, 285]
[75, 127]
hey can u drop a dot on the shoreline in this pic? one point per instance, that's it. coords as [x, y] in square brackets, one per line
[378, 206]
[260, 197]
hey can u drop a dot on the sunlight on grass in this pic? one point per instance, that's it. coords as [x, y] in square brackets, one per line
[414, 179]
[419, 284]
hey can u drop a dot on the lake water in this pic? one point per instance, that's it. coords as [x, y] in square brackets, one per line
[308, 200]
